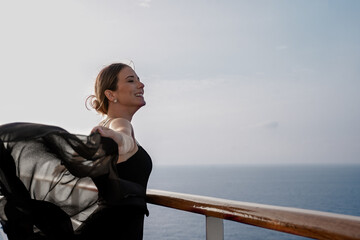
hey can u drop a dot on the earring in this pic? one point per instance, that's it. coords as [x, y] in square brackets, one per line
[115, 101]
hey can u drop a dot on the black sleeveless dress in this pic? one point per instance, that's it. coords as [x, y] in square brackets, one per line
[45, 177]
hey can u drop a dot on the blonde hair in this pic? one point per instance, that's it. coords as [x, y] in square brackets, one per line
[106, 79]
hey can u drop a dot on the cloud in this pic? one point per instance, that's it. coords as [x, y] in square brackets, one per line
[271, 125]
[144, 3]
[268, 125]
[282, 47]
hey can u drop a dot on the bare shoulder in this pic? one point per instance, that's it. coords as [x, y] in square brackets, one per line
[121, 125]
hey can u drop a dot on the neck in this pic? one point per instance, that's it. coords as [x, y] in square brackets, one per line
[121, 113]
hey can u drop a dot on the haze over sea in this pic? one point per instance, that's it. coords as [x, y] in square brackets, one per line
[330, 188]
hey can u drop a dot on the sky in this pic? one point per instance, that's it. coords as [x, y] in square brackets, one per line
[226, 82]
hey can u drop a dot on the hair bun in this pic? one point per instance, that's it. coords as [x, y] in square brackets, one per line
[92, 102]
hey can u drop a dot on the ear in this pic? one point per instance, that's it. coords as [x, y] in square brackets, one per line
[109, 95]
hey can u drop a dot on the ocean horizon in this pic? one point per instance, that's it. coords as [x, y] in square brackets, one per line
[331, 188]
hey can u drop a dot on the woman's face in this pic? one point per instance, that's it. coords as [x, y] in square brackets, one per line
[130, 90]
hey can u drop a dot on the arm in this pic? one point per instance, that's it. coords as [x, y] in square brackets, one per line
[120, 131]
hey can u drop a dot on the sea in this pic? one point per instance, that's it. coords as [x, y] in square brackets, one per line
[329, 188]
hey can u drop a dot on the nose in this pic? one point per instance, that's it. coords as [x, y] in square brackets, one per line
[141, 85]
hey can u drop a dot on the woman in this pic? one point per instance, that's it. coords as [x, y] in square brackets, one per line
[118, 95]
[39, 192]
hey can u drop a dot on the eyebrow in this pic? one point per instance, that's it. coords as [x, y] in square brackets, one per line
[132, 76]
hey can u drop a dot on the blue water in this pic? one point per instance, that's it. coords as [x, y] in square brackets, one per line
[334, 188]
[330, 188]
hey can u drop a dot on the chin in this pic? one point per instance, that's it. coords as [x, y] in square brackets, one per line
[141, 105]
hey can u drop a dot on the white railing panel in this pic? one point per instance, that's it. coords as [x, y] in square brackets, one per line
[214, 228]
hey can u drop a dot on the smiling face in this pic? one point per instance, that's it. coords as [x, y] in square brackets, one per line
[129, 90]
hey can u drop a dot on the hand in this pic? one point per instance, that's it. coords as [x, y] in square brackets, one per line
[104, 131]
[107, 132]
[121, 135]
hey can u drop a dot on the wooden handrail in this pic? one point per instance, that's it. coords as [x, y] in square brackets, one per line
[307, 223]
[302, 222]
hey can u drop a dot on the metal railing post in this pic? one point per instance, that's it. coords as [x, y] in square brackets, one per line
[214, 228]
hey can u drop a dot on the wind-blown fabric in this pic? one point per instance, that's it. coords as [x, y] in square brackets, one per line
[48, 164]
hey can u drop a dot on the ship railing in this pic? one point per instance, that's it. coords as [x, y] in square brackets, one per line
[302, 222]
[296, 221]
